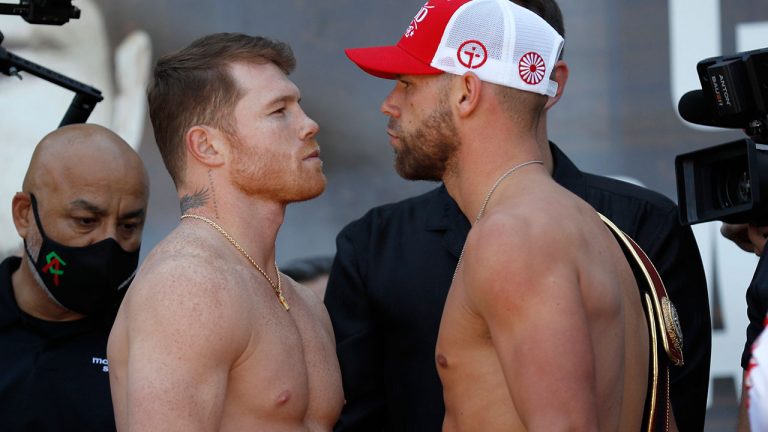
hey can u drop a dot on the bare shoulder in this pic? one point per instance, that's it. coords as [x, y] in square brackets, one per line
[185, 287]
[513, 235]
[538, 223]
[184, 325]
[181, 265]
[510, 253]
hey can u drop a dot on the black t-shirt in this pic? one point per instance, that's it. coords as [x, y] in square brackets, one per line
[53, 375]
[757, 306]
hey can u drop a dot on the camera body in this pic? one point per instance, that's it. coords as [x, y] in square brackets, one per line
[727, 182]
[50, 12]
[737, 86]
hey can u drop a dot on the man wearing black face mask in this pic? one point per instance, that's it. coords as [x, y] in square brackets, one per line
[80, 216]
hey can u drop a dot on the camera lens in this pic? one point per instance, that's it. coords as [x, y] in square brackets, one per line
[734, 189]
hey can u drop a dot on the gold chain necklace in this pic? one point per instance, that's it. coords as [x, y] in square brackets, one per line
[277, 287]
[488, 198]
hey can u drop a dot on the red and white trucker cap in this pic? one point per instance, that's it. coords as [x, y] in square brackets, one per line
[498, 40]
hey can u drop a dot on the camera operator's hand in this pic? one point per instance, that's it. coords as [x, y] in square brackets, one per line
[757, 236]
[737, 233]
[749, 238]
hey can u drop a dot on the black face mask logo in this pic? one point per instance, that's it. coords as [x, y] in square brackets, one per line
[87, 279]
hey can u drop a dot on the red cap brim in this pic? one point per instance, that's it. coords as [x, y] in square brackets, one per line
[389, 62]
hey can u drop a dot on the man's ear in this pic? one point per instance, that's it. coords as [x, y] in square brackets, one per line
[468, 94]
[21, 210]
[560, 76]
[205, 144]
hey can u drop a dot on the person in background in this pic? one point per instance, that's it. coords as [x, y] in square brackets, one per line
[753, 410]
[80, 216]
[751, 238]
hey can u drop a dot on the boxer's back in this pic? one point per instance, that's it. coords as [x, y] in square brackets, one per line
[543, 324]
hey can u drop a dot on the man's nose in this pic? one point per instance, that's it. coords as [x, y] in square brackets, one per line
[310, 128]
[389, 107]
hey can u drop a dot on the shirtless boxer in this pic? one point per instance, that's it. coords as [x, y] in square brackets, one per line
[543, 327]
[211, 336]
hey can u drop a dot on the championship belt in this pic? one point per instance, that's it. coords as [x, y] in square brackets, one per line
[663, 328]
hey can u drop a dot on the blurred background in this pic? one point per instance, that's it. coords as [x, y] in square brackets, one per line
[630, 62]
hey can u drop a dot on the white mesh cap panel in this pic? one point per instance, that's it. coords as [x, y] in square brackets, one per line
[531, 38]
[478, 20]
[484, 22]
[502, 43]
[481, 21]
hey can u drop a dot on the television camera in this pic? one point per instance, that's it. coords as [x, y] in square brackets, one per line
[727, 182]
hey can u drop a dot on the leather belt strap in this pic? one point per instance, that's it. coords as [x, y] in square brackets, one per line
[663, 330]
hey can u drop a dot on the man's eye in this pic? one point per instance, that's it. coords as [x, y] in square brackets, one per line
[279, 111]
[86, 222]
[129, 227]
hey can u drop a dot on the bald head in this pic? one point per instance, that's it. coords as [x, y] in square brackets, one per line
[89, 184]
[82, 149]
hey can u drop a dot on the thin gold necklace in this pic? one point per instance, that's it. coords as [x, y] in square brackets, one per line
[277, 287]
[488, 198]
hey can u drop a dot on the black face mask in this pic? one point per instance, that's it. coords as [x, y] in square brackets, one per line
[87, 279]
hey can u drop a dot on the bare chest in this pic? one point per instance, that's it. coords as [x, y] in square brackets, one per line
[289, 371]
[474, 386]
[463, 339]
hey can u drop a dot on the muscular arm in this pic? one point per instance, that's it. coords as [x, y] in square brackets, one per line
[356, 341]
[538, 326]
[183, 338]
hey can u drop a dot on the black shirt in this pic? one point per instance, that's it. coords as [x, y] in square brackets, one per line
[391, 275]
[53, 375]
[757, 307]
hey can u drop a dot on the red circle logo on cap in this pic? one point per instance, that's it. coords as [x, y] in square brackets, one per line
[532, 68]
[472, 54]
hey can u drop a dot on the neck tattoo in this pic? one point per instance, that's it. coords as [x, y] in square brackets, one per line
[277, 287]
[488, 198]
[213, 194]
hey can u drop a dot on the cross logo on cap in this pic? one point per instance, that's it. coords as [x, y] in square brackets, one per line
[472, 54]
